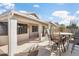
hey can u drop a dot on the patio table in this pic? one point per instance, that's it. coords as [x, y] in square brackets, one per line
[64, 33]
[66, 40]
[62, 40]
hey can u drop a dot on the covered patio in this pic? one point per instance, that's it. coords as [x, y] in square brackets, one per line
[34, 30]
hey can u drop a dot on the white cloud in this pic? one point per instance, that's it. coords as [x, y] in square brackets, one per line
[0, 5]
[70, 17]
[22, 11]
[77, 12]
[6, 6]
[40, 17]
[64, 16]
[60, 13]
[9, 6]
[50, 18]
[36, 6]
[66, 22]
[2, 10]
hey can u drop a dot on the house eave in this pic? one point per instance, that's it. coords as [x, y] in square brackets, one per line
[21, 14]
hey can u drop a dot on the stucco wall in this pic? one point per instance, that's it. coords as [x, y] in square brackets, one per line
[3, 40]
[21, 37]
[33, 34]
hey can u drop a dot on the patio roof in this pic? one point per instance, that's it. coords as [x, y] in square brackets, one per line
[30, 16]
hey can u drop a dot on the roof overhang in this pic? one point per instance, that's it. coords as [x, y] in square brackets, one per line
[11, 13]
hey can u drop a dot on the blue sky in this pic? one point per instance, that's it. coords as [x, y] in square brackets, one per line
[45, 10]
[56, 12]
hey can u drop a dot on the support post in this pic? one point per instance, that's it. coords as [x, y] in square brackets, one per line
[40, 32]
[12, 34]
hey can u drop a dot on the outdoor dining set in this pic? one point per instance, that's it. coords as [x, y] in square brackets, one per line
[61, 43]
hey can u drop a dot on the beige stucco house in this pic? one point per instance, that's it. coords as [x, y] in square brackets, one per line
[28, 26]
[16, 27]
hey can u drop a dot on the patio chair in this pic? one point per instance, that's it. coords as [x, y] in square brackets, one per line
[75, 42]
[56, 38]
[63, 43]
[67, 41]
[60, 43]
[33, 51]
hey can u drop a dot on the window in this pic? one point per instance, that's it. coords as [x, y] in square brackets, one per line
[34, 28]
[3, 28]
[21, 28]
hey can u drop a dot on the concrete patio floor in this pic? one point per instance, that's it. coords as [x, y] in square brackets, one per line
[24, 47]
[43, 50]
[75, 51]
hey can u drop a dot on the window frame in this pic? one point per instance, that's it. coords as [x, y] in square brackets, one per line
[4, 26]
[34, 28]
[23, 28]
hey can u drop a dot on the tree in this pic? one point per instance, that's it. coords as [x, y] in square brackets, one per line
[73, 27]
[62, 27]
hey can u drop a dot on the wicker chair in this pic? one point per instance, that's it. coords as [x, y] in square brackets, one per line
[59, 42]
[56, 38]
